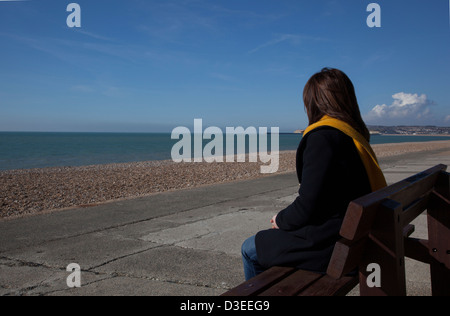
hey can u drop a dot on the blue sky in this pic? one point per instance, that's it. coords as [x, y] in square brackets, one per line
[153, 65]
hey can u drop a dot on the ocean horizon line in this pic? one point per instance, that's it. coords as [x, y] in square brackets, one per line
[31, 150]
[50, 132]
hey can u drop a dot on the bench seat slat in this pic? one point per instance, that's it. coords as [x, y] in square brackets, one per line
[293, 285]
[328, 286]
[262, 282]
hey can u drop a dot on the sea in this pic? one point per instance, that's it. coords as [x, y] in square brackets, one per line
[28, 150]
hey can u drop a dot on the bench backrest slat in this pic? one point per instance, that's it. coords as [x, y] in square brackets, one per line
[361, 212]
[380, 214]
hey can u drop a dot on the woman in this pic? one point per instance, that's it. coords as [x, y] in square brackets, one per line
[335, 165]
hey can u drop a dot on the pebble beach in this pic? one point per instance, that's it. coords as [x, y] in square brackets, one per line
[38, 191]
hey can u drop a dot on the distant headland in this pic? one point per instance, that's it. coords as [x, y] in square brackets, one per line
[403, 130]
[409, 130]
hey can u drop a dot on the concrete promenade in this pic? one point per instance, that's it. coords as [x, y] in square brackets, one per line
[177, 243]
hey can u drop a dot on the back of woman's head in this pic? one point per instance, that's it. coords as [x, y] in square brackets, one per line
[330, 92]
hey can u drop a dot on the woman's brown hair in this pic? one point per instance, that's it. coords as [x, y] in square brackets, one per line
[330, 92]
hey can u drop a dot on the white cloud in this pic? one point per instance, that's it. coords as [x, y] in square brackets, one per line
[406, 109]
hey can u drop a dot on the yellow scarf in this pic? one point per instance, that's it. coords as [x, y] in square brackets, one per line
[368, 157]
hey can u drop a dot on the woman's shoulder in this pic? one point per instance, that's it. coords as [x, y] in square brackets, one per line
[327, 135]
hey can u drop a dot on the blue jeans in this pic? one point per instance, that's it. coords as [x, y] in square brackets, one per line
[250, 259]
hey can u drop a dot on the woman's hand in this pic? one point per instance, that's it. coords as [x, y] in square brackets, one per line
[273, 221]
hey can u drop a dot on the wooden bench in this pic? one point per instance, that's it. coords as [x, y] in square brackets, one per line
[376, 230]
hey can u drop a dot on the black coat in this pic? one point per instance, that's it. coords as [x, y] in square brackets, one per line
[332, 175]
